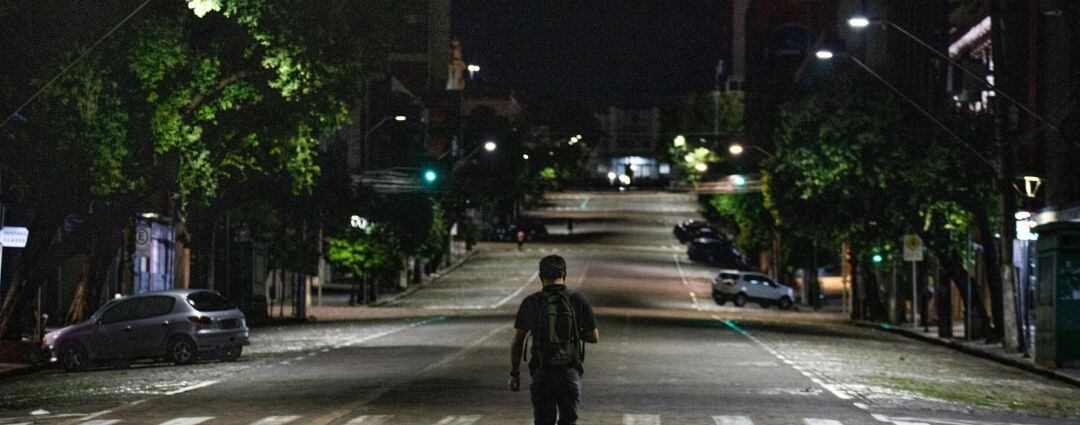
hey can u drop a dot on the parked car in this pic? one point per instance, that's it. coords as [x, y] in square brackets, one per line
[685, 231]
[533, 230]
[179, 326]
[716, 252]
[739, 287]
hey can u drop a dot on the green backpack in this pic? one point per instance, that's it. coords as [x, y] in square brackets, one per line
[558, 342]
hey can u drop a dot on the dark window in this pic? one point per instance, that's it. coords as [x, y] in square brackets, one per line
[209, 301]
[123, 311]
[155, 306]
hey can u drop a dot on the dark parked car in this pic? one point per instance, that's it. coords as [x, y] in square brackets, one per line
[533, 230]
[684, 231]
[178, 326]
[716, 252]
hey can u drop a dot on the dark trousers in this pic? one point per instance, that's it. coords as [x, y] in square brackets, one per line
[555, 394]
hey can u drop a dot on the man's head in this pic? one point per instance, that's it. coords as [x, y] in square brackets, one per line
[552, 268]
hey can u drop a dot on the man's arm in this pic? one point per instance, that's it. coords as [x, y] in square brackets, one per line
[515, 359]
[591, 337]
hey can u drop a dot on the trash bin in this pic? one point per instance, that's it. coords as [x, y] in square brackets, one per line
[1057, 312]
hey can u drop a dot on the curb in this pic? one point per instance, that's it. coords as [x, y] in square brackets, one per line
[28, 369]
[1029, 367]
[435, 278]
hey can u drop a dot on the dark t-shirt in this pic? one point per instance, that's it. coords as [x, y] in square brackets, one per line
[528, 316]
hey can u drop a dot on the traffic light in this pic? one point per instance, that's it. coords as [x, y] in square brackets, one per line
[738, 180]
[430, 176]
[877, 258]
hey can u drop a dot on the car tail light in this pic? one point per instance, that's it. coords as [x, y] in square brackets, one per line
[201, 320]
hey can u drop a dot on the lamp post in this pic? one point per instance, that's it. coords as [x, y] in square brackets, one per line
[737, 149]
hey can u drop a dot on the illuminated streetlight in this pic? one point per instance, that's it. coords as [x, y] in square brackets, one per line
[735, 149]
[701, 167]
[579, 137]
[680, 141]
[474, 68]
[400, 118]
[824, 54]
[525, 156]
[490, 146]
[858, 22]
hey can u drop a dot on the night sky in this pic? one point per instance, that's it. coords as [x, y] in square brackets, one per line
[625, 52]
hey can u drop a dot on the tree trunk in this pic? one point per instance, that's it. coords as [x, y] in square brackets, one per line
[993, 278]
[104, 240]
[201, 228]
[34, 265]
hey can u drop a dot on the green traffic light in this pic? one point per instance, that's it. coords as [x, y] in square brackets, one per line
[878, 258]
[430, 176]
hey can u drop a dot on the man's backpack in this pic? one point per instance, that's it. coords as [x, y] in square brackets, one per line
[557, 339]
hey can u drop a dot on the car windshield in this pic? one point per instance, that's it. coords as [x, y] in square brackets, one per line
[209, 301]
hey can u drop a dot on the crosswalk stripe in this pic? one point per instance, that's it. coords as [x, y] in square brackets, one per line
[100, 422]
[811, 421]
[275, 420]
[188, 421]
[459, 420]
[732, 420]
[369, 420]
[629, 419]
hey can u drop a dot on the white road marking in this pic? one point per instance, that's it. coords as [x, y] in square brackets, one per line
[188, 421]
[275, 420]
[811, 421]
[693, 297]
[459, 420]
[202, 384]
[518, 291]
[585, 203]
[100, 422]
[629, 419]
[732, 420]
[814, 377]
[97, 414]
[862, 406]
[935, 421]
[369, 420]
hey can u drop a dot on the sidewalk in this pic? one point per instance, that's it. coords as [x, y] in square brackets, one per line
[993, 352]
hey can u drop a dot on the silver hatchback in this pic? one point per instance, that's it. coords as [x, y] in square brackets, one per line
[742, 286]
[179, 326]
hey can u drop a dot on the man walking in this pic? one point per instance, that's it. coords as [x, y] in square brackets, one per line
[560, 322]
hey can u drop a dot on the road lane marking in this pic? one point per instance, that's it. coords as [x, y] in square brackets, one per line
[629, 419]
[202, 384]
[518, 291]
[376, 394]
[459, 420]
[100, 422]
[935, 421]
[275, 420]
[369, 420]
[693, 297]
[732, 420]
[809, 374]
[585, 203]
[811, 421]
[188, 421]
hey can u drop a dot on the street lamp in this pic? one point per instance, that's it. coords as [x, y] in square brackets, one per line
[735, 149]
[525, 156]
[680, 141]
[858, 22]
[473, 69]
[824, 54]
[490, 146]
[400, 118]
[701, 167]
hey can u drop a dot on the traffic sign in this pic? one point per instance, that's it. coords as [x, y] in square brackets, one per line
[13, 237]
[913, 248]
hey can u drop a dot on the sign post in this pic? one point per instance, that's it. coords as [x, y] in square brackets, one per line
[12, 237]
[913, 252]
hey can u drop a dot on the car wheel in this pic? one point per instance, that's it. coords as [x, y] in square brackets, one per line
[719, 299]
[74, 357]
[232, 354]
[740, 300]
[785, 303]
[182, 350]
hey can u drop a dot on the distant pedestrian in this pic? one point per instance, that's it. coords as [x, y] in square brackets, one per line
[569, 226]
[520, 239]
[560, 322]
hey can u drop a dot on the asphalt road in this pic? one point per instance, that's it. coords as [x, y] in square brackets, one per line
[667, 354]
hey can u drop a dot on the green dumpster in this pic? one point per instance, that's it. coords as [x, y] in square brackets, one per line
[1057, 313]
